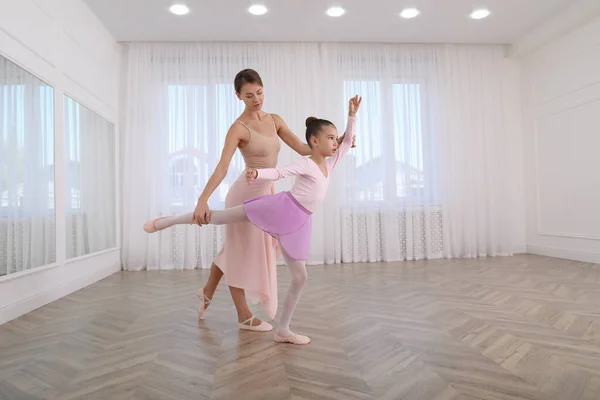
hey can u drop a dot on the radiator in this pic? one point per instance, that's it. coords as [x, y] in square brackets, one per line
[31, 243]
[415, 233]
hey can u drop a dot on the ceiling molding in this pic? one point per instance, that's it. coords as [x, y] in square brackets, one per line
[576, 15]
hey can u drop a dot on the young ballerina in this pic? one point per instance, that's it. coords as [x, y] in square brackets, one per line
[287, 215]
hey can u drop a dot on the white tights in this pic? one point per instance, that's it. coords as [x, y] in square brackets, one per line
[298, 277]
[217, 217]
[298, 274]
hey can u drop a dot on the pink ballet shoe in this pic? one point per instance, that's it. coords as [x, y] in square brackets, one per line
[262, 327]
[149, 226]
[204, 301]
[294, 338]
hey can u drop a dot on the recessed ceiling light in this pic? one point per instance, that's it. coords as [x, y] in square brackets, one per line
[257, 9]
[481, 13]
[409, 13]
[179, 9]
[336, 12]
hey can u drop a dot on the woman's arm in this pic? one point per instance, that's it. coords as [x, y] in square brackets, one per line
[232, 140]
[290, 137]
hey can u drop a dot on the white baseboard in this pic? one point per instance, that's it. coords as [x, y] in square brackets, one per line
[521, 249]
[564, 253]
[22, 295]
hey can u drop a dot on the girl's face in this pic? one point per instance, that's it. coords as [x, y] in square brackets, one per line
[326, 142]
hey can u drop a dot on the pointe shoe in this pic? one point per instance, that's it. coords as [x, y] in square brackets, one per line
[294, 338]
[262, 327]
[149, 226]
[204, 301]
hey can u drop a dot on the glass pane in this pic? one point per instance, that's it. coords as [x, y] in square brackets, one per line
[408, 140]
[187, 108]
[199, 118]
[27, 218]
[90, 198]
[369, 162]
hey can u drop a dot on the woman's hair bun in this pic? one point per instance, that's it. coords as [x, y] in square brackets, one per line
[310, 119]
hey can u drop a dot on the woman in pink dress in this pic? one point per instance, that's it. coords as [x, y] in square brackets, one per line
[248, 259]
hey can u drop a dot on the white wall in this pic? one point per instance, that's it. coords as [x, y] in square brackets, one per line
[561, 120]
[63, 43]
[514, 168]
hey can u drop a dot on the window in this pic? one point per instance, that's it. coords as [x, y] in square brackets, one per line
[389, 158]
[199, 118]
[368, 155]
[369, 122]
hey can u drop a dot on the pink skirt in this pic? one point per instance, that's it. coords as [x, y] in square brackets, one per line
[281, 216]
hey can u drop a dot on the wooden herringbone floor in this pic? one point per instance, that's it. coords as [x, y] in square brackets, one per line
[523, 327]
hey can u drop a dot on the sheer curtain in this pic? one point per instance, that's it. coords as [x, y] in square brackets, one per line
[425, 180]
[27, 236]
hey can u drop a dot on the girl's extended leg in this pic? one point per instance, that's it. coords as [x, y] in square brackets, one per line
[298, 275]
[218, 217]
[228, 216]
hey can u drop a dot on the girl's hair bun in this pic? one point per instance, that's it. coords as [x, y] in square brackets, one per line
[310, 120]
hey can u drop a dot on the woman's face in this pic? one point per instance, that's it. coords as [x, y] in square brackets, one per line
[252, 95]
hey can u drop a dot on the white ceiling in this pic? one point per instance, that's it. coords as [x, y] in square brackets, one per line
[441, 21]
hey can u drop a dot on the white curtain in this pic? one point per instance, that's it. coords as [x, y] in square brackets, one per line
[425, 180]
[27, 233]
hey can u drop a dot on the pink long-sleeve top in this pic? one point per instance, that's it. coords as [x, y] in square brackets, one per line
[311, 184]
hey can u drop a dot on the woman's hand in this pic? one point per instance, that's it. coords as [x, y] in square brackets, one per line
[251, 174]
[201, 213]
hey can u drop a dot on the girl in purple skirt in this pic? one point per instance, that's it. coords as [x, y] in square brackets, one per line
[287, 215]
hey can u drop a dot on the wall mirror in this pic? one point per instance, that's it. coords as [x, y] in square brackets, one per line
[90, 181]
[27, 209]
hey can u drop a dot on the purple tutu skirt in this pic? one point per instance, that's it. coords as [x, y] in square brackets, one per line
[281, 216]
